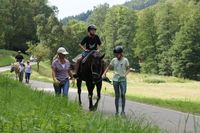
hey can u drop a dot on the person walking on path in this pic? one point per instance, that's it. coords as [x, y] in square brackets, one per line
[121, 70]
[61, 72]
[19, 58]
[28, 71]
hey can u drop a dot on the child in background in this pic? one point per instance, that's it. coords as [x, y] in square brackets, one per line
[27, 71]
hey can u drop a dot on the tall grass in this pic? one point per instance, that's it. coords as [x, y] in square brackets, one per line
[24, 110]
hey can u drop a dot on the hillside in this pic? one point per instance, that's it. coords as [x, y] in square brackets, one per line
[140, 4]
[133, 4]
[7, 57]
[81, 17]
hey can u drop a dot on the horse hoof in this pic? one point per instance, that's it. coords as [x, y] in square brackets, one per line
[91, 108]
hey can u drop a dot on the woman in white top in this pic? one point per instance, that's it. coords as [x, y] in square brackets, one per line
[27, 71]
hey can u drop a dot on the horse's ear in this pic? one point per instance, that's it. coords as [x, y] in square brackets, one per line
[102, 56]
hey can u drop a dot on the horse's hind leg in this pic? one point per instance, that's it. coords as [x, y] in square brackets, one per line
[79, 82]
[21, 76]
[16, 75]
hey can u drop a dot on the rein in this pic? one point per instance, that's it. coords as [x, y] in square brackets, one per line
[89, 54]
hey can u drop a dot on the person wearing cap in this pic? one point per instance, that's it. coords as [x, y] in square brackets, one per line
[61, 72]
[28, 71]
[19, 58]
[121, 70]
[89, 43]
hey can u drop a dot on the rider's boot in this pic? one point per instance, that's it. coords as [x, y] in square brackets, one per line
[77, 68]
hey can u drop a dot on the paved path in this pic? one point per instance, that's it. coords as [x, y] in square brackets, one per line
[6, 68]
[173, 121]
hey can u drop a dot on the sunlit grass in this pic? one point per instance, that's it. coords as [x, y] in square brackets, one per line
[44, 74]
[24, 110]
[170, 88]
[172, 92]
[7, 57]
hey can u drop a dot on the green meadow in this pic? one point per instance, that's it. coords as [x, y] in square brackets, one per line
[7, 57]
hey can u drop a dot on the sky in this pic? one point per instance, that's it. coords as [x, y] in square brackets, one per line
[74, 7]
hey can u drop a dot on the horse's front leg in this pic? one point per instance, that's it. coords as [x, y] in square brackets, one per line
[98, 86]
[16, 75]
[79, 82]
[90, 88]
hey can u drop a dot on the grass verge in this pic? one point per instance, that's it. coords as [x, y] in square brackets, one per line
[25, 110]
[44, 74]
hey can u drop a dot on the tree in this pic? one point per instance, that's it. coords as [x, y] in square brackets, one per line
[167, 26]
[186, 49]
[49, 32]
[140, 4]
[74, 31]
[2, 23]
[40, 51]
[146, 38]
[98, 17]
[120, 28]
[80, 17]
[16, 21]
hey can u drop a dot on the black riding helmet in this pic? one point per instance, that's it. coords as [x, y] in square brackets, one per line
[92, 27]
[118, 50]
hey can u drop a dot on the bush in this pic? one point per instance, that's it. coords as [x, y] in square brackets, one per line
[154, 81]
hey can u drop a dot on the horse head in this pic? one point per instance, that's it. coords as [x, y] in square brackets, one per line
[14, 67]
[97, 66]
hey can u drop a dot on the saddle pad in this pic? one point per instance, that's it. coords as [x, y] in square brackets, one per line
[76, 58]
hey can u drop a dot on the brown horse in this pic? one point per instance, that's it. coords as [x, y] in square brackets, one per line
[91, 72]
[19, 70]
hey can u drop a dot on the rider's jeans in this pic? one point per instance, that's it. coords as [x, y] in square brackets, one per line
[120, 91]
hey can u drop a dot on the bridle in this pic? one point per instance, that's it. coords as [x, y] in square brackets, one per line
[95, 74]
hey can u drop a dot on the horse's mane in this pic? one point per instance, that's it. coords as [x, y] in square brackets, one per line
[16, 64]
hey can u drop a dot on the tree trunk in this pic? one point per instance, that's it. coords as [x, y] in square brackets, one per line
[38, 66]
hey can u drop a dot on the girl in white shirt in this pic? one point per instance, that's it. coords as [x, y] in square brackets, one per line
[28, 71]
